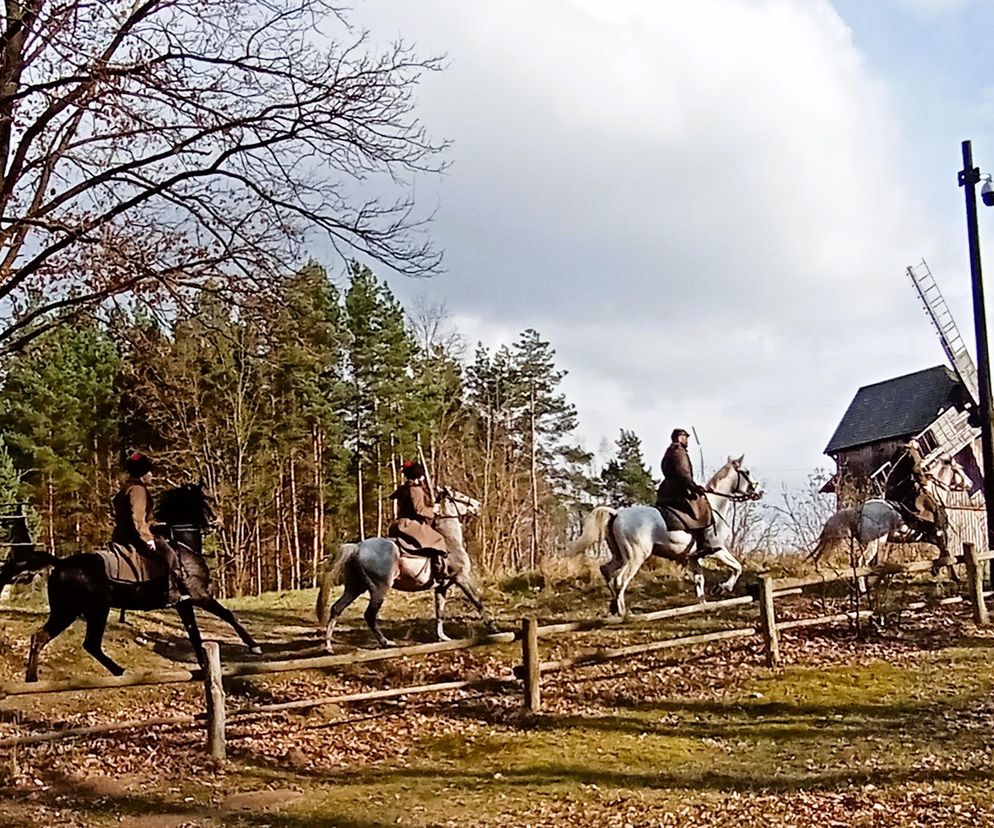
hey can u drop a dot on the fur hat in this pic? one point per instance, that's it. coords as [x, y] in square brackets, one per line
[677, 432]
[412, 471]
[137, 464]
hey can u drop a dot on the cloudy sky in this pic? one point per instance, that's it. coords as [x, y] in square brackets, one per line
[706, 207]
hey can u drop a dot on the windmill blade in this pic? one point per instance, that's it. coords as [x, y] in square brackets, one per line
[949, 335]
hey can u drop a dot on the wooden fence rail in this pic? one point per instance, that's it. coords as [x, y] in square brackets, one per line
[529, 671]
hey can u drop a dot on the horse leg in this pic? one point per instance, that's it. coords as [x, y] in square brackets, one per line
[609, 570]
[621, 582]
[58, 622]
[723, 556]
[216, 608]
[476, 601]
[96, 623]
[121, 619]
[376, 596]
[353, 589]
[698, 573]
[439, 609]
[185, 611]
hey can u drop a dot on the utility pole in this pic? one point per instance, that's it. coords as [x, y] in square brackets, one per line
[969, 177]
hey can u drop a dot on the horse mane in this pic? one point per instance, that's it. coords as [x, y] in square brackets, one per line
[182, 504]
[719, 475]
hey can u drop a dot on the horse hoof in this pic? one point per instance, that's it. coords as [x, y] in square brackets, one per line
[255, 649]
[443, 637]
[386, 643]
[117, 671]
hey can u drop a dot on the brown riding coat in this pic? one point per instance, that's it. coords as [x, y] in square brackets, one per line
[133, 516]
[679, 493]
[415, 512]
[906, 485]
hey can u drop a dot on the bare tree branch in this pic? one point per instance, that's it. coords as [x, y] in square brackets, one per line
[206, 138]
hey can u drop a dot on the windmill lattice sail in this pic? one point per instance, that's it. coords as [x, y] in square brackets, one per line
[949, 335]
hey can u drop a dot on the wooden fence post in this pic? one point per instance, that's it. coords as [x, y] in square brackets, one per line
[215, 701]
[768, 621]
[531, 664]
[975, 576]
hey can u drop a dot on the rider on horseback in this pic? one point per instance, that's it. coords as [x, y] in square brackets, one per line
[413, 524]
[681, 500]
[906, 487]
[132, 524]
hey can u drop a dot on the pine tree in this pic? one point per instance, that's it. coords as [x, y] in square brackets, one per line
[381, 403]
[58, 414]
[627, 481]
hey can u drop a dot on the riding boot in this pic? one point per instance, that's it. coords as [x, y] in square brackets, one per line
[701, 542]
[178, 590]
[438, 567]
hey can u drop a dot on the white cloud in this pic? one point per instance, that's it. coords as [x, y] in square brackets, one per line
[695, 203]
[937, 6]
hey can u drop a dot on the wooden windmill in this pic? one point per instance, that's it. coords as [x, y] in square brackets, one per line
[951, 431]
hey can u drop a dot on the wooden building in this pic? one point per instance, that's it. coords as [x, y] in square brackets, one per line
[936, 408]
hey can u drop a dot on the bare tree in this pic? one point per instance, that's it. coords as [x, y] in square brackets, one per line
[151, 145]
[805, 512]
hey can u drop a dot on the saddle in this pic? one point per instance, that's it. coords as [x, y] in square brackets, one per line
[412, 550]
[130, 566]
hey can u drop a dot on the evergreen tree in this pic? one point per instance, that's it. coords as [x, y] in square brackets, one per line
[545, 422]
[627, 481]
[380, 408]
[58, 415]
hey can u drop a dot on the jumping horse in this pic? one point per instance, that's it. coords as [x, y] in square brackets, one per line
[636, 533]
[867, 525]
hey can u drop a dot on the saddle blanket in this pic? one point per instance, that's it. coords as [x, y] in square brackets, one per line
[677, 520]
[129, 566]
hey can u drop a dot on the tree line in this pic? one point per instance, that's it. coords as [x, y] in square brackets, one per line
[297, 411]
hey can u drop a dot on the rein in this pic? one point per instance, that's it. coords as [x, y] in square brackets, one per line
[738, 497]
[735, 497]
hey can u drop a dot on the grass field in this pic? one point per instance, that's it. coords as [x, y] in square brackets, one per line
[891, 730]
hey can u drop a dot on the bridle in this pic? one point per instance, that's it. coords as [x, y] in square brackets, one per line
[735, 495]
[465, 501]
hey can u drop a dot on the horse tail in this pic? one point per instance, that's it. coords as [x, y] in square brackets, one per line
[594, 529]
[332, 574]
[836, 528]
[22, 561]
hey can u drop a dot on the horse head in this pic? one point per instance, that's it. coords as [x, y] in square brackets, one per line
[453, 503]
[735, 481]
[950, 475]
[187, 505]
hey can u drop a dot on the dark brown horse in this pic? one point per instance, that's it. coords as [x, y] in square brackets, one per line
[79, 586]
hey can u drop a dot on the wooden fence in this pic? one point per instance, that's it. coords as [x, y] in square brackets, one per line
[528, 673]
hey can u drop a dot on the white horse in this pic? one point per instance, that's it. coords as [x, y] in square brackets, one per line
[635, 533]
[376, 565]
[875, 521]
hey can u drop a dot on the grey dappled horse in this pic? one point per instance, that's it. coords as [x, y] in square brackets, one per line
[869, 524]
[636, 533]
[376, 565]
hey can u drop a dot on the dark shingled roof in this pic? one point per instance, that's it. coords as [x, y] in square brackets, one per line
[897, 407]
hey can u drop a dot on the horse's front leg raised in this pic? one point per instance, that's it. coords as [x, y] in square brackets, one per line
[463, 583]
[215, 607]
[723, 556]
